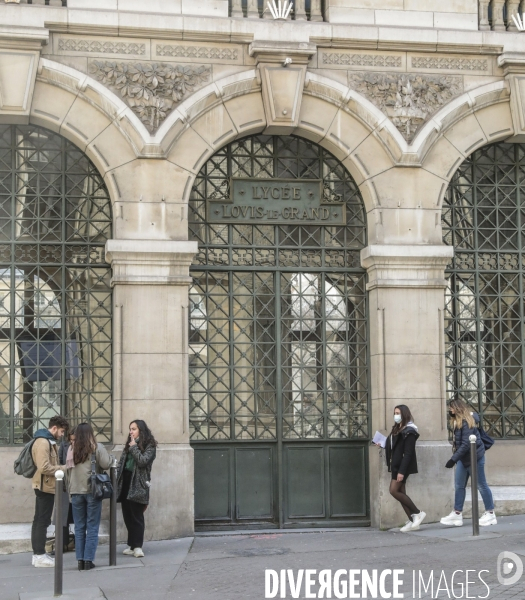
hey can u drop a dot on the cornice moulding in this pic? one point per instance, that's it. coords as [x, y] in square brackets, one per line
[512, 63]
[275, 51]
[150, 262]
[23, 38]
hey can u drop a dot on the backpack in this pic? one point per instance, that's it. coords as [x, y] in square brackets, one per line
[24, 464]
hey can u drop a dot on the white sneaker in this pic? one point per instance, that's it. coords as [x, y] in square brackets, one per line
[137, 553]
[488, 518]
[418, 519]
[407, 527]
[129, 552]
[43, 560]
[453, 519]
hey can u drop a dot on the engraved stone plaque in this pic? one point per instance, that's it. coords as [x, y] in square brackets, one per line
[280, 201]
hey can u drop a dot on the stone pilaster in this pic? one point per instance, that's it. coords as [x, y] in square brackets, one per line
[406, 303]
[151, 281]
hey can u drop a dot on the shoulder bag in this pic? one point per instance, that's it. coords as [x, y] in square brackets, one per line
[488, 441]
[101, 488]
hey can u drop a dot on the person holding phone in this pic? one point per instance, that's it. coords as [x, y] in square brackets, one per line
[134, 482]
[401, 461]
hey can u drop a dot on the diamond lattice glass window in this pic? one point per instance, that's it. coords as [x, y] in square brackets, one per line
[55, 294]
[278, 330]
[484, 219]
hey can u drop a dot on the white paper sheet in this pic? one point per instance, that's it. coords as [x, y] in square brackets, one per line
[380, 439]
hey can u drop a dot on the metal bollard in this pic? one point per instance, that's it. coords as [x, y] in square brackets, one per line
[113, 517]
[474, 485]
[59, 533]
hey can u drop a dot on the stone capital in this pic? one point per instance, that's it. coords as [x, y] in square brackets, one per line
[282, 67]
[19, 54]
[150, 262]
[391, 266]
[513, 65]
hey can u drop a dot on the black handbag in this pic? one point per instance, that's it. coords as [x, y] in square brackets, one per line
[101, 488]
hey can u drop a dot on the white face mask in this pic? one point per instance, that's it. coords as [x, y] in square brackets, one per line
[398, 418]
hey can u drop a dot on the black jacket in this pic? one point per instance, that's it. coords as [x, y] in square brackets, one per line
[401, 451]
[141, 477]
[462, 442]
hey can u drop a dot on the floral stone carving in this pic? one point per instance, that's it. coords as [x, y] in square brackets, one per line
[408, 99]
[150, 89]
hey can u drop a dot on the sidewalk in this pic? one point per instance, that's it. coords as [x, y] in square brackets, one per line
[232, 566]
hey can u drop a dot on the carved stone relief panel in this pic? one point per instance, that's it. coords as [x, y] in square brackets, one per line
[408, 99]
[97, 46]
[152, 90]
[469, 65]
[194, 52]
[352, 60]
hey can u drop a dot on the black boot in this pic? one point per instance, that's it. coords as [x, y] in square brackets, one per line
[88, 565]
[80, 565]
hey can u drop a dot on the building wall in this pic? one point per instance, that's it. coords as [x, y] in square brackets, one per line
[450, 14]
[401, 108]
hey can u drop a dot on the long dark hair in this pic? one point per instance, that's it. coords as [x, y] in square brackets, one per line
[145, 436]
[406, 417]
[85, 443]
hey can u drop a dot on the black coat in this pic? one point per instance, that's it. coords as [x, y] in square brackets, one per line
[401, 452]
[141, 477]
[461, 446]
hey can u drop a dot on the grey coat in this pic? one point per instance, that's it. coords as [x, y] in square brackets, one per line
[141, 476]
[79, 477]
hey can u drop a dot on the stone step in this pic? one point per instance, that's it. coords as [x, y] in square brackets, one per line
[508, 500]
[16, 537]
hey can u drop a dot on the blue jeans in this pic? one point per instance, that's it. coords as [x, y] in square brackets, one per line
[86, 514]
[462, 475]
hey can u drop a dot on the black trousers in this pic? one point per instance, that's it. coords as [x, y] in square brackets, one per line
[43, 510]
[133, 514]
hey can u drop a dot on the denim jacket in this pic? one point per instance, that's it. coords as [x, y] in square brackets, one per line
[462, 443]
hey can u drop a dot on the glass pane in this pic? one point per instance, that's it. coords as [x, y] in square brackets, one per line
[483, 218]
[277, 312]
[55, 293]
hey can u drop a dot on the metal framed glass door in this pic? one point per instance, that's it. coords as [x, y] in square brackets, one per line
[278, 338]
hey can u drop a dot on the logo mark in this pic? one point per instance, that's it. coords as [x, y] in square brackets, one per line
[510, 568]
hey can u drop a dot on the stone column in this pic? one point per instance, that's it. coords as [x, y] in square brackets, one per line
[513, 7]
[150, 298]
[498, 23]
[406, 304]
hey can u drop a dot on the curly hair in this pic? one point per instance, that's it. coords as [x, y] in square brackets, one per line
[58, 421]
[145, 436]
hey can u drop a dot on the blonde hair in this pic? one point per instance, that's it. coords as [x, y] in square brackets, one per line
[463, 413]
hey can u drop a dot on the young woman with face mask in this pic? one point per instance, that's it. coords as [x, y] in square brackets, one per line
[401, 462]
[464, 423]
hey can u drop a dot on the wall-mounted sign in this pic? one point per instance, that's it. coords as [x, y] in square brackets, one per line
[281, 201]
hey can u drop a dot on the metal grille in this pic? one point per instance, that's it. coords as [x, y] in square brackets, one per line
[484, 219]
[278, 318]
[55, 295]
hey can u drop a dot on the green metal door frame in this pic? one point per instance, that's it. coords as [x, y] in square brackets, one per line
[308, 256]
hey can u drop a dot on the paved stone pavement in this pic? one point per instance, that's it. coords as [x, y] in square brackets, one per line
[232, 567]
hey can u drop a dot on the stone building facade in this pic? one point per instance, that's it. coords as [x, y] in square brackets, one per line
[261, 235]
